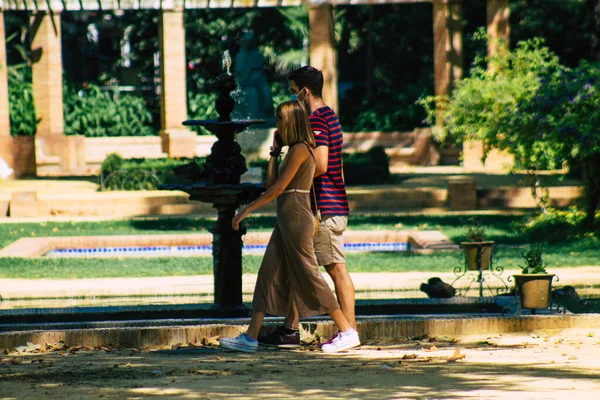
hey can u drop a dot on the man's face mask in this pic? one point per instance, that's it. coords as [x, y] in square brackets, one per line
[301, 96]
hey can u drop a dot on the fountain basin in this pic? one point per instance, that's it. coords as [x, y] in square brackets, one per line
[214, 125]
[218, 194]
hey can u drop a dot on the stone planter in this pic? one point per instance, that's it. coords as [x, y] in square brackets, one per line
[534, 290]
[475, 251]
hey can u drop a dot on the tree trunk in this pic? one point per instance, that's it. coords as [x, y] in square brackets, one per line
[370, 29]
[593, 7]
[591, 166]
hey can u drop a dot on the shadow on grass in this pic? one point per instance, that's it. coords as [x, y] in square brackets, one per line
[500, 227]
[194, 223]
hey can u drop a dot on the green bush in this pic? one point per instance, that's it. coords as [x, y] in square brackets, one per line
[23, 121]
[202, 106]
[94, 113]
[526, 103]
[111, 163]
[367, 168]
[139, 173]
[556, 225]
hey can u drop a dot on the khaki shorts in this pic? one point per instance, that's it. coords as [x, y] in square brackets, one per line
[329, 242]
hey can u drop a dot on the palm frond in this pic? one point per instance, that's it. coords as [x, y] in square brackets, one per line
[289, 60]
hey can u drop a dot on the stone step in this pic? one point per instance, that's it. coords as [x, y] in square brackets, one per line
[370, 328]
[386, 198]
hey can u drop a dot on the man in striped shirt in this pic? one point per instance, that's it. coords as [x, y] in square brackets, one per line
[306, 85]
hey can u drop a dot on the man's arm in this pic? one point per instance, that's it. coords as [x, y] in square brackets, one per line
[321, 131]
[322, 159]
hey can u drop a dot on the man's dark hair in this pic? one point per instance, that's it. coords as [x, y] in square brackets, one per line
[308, 77]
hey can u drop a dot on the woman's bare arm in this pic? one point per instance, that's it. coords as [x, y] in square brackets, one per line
[272, 173]
[297, 155]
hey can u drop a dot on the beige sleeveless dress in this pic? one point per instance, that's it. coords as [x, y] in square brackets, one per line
[289, 268]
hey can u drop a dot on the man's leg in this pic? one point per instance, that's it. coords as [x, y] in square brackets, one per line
[344, 290]
[292, 320]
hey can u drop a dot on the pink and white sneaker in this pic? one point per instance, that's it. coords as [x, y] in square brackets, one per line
[342, 341]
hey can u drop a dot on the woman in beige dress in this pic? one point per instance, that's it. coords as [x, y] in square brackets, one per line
[289, 268]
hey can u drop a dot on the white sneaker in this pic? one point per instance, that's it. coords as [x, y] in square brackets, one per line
[241, 343]
[342, 341]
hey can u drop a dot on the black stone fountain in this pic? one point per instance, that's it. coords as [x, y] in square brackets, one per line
[219, 183]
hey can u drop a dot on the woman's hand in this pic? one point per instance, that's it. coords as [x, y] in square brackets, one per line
[277, 142]
[241, 214]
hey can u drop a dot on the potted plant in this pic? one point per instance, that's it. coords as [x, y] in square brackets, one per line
[477, 250]
[534, 284]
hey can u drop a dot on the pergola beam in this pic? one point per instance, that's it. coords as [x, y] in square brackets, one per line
[94, 5]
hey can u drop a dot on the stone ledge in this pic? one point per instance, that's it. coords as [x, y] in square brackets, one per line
[395, 326]
[37, 247]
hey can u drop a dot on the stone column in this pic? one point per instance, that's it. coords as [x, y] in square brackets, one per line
[6, 142]
[55, 153]
[447, 44]
[176, 140]
[323, 52]
[498, 29]
[498, 25]
[47, 71]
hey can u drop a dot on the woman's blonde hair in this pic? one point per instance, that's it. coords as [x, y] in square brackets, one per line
[295, 126]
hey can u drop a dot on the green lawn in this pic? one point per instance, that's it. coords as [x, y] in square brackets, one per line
[584, 251]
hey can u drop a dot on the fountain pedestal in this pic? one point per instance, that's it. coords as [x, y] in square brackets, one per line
[220, 185]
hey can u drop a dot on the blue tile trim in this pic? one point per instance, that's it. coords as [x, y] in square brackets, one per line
[207, 250]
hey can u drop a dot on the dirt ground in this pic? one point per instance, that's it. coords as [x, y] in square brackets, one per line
[544, 365]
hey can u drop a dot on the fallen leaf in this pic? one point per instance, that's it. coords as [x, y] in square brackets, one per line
[456, 356]
[210, 341]
[57, 346]
[447, 339]
[409, 356]
[311, 341]
[30, 347]
[432, 348]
